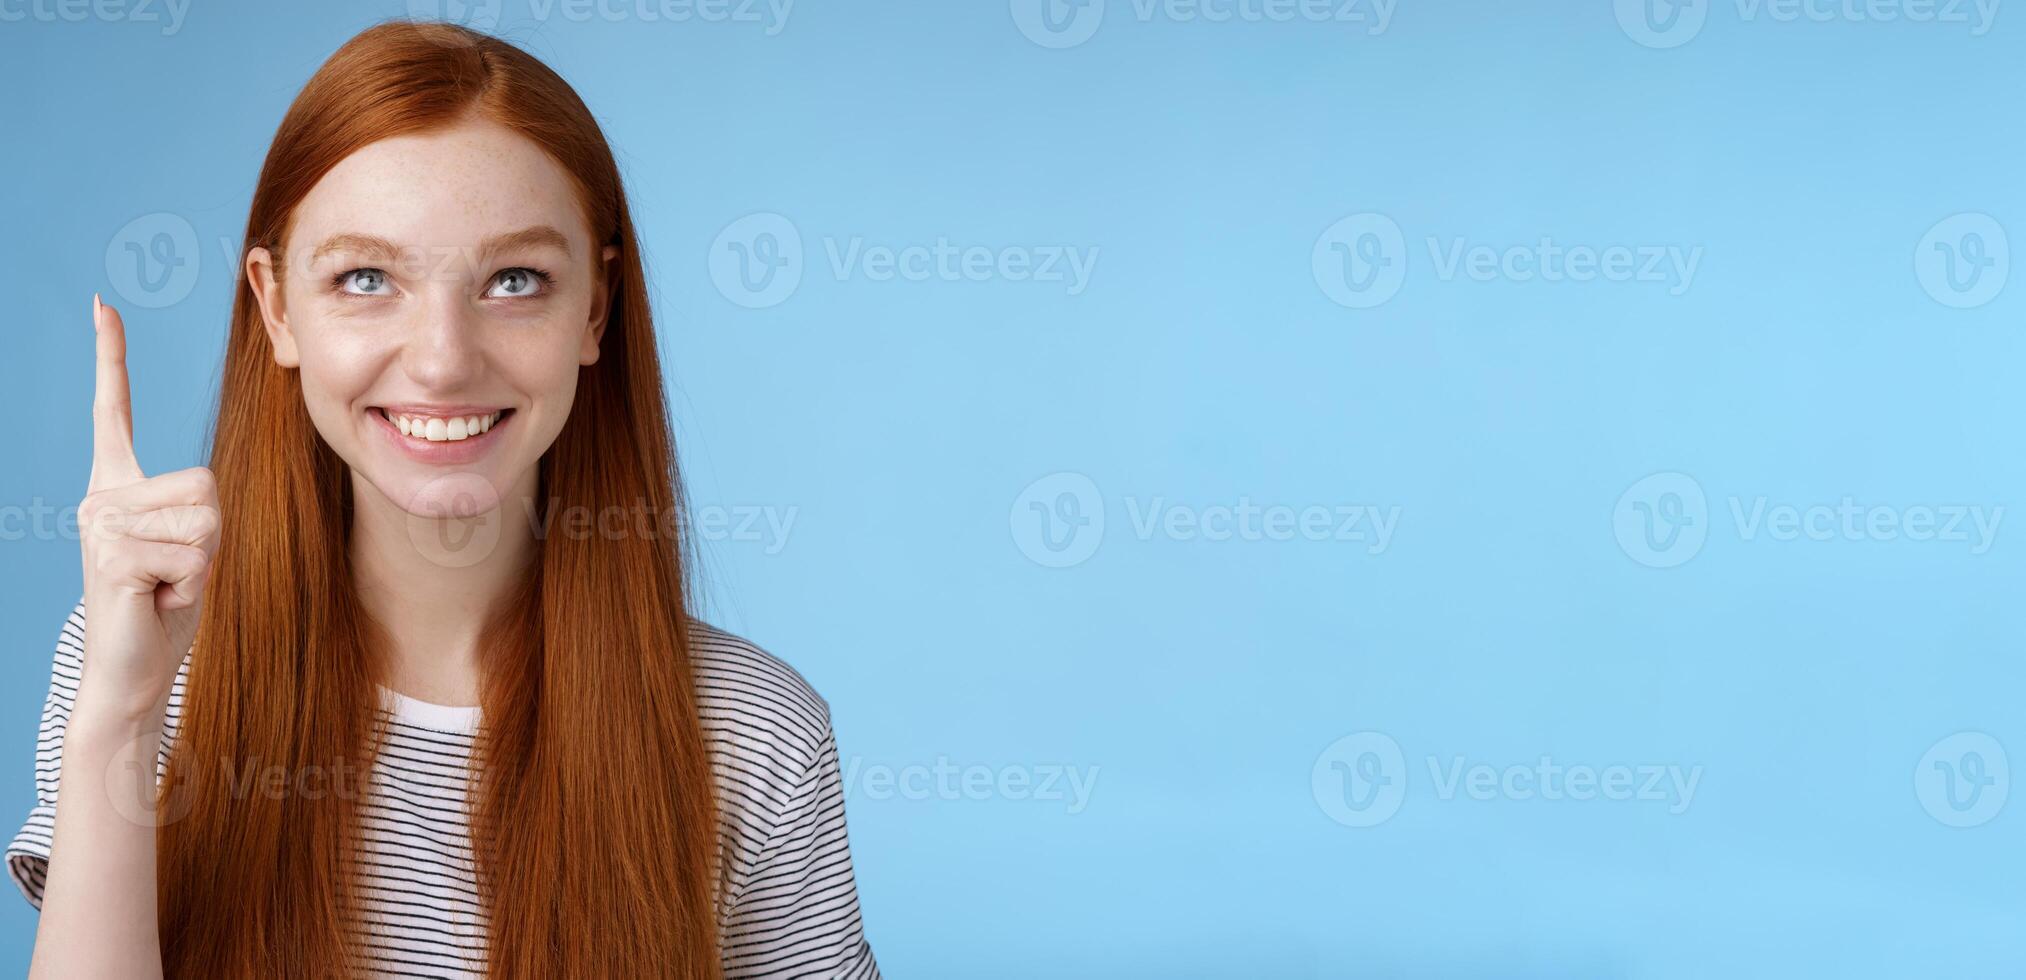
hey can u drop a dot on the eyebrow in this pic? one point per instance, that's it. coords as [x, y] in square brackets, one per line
[534, 237]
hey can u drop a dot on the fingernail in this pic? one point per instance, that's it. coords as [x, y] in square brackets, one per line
[95, 305]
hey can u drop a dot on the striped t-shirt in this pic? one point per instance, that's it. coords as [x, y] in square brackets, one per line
[791, 905]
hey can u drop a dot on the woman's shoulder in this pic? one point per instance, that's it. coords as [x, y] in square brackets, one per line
[758, 713]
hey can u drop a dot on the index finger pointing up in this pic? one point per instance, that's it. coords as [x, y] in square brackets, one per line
[113, 463]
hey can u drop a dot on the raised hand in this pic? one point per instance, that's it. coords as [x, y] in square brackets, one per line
[147, 550]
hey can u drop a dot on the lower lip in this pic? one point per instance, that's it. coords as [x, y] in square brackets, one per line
[446, 453]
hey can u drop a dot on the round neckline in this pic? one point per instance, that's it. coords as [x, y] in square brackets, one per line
[452, 719]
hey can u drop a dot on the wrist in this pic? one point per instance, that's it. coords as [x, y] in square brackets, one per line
[102, 717]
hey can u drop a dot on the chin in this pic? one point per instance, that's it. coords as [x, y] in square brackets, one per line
[442, 495]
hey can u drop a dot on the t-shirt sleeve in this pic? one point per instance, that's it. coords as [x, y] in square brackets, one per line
[28, 852]
[796, 913]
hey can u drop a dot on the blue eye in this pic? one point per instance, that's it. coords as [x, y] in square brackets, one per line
[517, 283]
[364, 282]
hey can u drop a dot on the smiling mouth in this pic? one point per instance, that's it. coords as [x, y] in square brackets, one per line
[443, 428]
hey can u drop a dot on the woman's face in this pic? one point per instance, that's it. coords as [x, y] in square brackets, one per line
[437, 294]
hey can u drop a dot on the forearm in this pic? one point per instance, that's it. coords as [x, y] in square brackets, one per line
[98, 903]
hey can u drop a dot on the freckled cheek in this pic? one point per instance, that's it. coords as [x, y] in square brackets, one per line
[339, 368]
[329, 399]
[541, 366]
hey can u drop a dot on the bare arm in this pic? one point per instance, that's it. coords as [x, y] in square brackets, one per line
[98, 904]
[147, 547]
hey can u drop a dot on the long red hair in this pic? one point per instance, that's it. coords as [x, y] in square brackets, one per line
[594, 824]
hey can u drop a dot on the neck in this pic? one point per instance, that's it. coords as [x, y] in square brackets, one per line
[433, 583]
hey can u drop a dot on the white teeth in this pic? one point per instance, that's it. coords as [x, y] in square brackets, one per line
[443, 429]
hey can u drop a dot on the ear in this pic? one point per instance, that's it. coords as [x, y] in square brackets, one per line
[260, 274]
[601, 306]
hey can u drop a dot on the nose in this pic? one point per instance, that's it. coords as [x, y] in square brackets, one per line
[443, 352]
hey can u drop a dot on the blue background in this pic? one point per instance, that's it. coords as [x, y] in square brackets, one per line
[1812, 358]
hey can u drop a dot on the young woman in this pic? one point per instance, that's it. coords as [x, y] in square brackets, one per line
[403, 696]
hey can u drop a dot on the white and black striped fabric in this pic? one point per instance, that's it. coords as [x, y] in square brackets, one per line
[791, 908]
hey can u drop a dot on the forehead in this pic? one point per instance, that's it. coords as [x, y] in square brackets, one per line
[446, 187]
